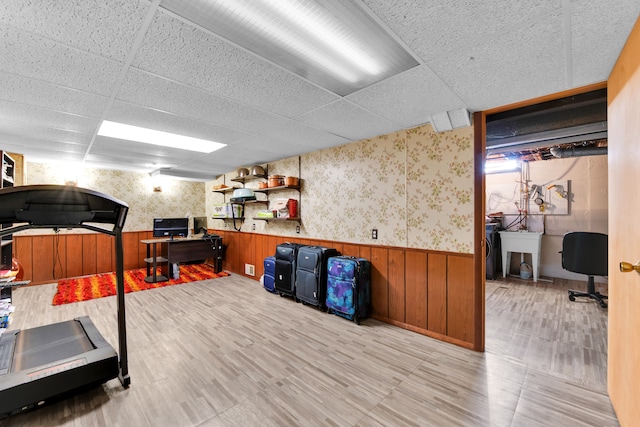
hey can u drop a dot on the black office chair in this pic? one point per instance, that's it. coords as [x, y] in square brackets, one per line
[586, 253]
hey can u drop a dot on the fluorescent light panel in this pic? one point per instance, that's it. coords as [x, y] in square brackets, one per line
[333, 43]
[157, 137]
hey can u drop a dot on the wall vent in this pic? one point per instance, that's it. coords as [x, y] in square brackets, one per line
[249, 270]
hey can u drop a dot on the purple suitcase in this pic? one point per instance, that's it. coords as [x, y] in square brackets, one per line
[348, 287]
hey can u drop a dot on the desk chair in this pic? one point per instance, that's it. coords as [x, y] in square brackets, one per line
[586, 253]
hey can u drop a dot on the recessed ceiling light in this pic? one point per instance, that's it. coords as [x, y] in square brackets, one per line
[336, 44]
[157, 137]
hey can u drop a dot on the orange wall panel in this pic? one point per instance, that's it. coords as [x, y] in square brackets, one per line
[23, 251]
[350, 250]
[259, 254]
[130, 248]
[416, 288]
[437, 293]
[43, 256]
[105, 259]
[380, 281]
[89, 253]
[396, 285]
[73, 256]
[460, 298]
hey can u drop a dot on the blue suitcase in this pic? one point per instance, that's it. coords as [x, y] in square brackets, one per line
[269, 278]
[311, 274]
[348, 287]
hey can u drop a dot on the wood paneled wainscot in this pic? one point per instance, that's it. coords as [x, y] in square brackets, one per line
[47, 258]
[428, 292]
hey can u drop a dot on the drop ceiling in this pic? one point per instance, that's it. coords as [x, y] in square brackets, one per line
[67, 65]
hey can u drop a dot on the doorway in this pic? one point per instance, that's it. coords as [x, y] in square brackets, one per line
[534, 321]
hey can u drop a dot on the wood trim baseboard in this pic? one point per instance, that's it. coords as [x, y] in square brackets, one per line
[426, 332]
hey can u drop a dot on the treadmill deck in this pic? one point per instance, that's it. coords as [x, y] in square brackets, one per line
[41, 363]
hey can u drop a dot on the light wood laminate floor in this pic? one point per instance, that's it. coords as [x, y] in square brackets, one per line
[224, 352]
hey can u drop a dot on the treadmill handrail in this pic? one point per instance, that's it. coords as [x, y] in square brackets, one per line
[63, 206]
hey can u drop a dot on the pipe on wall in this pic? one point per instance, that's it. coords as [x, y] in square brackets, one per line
[577, 152]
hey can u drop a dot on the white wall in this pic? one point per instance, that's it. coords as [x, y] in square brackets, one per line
[587, 208]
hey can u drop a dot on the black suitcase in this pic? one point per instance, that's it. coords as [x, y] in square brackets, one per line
[311, 274]
[287, 251]
[286, 254]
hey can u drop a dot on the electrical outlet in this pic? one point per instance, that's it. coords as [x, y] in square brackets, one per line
[298, 229]
[254, 226]
[374, 233]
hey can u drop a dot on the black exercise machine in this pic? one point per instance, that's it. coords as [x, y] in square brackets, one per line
[43, 363]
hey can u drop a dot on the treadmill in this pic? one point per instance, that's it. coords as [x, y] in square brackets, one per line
[44, 363]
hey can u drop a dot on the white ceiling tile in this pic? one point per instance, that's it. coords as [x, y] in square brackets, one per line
[239, 154]
[409, 98]
[348, 121]
[124, 148]
[527, 64]
[155, 92]
[42, 149]
[201, 167]
[594, 35]
[440, 27]
[52, 155]
[106, 28]
[147, 157]
[135, 115]
[30, 115]
[260, 149]
[137, 164]
[50, 96]
[39, 58]
[61, 60]
[184, 53]
[44, 133]
[307, 137]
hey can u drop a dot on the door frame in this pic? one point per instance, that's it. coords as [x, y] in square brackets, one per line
[479, 142]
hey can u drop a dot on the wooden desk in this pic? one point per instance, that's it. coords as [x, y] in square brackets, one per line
[180, 250]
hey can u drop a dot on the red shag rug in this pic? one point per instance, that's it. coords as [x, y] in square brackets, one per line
[104, 284]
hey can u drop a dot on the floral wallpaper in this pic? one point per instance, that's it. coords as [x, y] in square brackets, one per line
[177, 199]
[414, 186]
[440, 189]
[354, 188]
